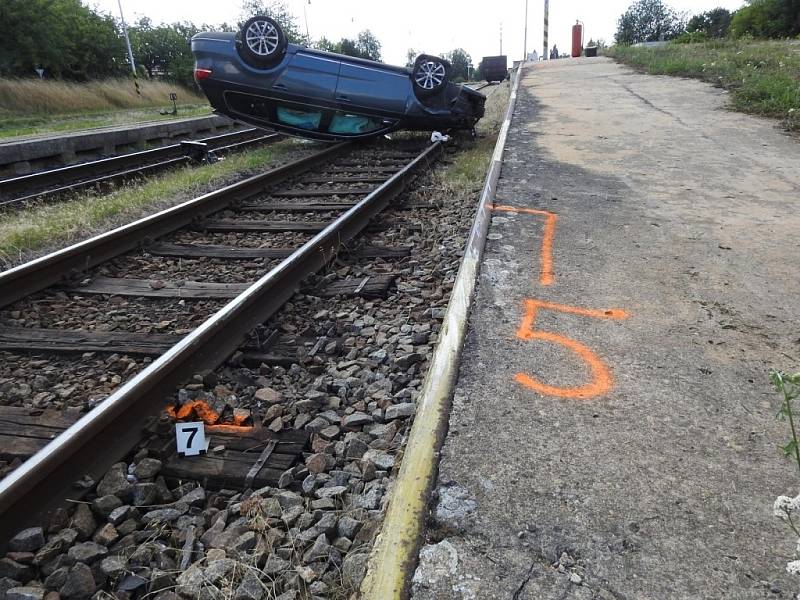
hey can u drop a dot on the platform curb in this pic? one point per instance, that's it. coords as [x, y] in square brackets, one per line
[394, 555]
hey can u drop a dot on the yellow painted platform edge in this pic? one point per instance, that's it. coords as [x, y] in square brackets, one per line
[394, 555]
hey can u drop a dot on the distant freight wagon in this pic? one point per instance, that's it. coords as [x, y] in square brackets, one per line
[494, 68]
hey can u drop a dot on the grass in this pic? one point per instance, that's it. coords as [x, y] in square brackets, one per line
[29, 231]
[11, 126]
[762, 76]
[32, 106]
[466, 173]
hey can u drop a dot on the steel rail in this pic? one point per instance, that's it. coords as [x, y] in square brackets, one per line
[111, 429]
[138, 171]
[97, 181]
[107, 164]
[117, 167]
[21, 281]
[263, 139]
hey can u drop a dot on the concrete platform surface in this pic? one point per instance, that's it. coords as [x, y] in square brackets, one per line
[613, 433]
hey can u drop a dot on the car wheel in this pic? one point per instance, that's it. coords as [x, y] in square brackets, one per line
[429, 75]
[261, 42]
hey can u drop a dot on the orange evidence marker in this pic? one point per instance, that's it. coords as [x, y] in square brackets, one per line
[601, 382]
[546, 253]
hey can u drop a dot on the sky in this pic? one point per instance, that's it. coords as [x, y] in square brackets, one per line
[431, 26]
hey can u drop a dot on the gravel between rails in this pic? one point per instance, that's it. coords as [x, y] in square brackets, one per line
[139, 535]
[287, 239]
[114, 313]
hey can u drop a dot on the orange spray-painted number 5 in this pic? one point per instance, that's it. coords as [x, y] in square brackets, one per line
[601, 375]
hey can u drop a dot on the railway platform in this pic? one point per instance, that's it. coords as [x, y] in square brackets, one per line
[613, 430]
[25, 154]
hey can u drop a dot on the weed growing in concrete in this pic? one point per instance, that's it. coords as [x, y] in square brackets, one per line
[786, 508]
[789, 387]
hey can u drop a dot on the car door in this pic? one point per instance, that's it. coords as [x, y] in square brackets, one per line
[309, 77]
[363, 86]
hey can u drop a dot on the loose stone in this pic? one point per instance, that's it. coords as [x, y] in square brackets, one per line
[147, 468]
[27, 540]
[113, 566]
[105, 505]
[250, 587]
[320, 549]
[357, 419]
[87, 552]
[268, 395]
[106, 535]
[25, 593]
[275, 565]
[396, 411]
[79, 583]
[83, 521]
[115, 482]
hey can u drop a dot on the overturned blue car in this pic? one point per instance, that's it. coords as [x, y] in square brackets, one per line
[255, 76]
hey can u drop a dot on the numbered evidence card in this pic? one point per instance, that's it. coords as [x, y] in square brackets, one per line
[191, 439]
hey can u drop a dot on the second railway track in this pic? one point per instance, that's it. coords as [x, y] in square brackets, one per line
[105, 172]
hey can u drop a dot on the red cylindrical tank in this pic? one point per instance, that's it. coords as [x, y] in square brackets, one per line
[577, 39]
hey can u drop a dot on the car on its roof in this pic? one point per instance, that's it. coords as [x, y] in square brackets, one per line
[256, 76]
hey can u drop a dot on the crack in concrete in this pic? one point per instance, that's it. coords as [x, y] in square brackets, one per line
[525, 582]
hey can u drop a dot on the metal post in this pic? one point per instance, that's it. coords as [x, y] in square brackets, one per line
[305, 16]
[127, 40]
[525, 43]
[501, 39]
[546, 52]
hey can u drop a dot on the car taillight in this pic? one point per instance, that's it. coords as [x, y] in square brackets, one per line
[201, 74]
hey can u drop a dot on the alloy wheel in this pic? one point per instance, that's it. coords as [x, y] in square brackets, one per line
[262, 38]
[430, 75]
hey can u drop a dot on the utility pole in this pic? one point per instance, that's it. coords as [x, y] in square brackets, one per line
[501, 39]
[546, 53]
[127, 40]
[305, 16]
[525, 43]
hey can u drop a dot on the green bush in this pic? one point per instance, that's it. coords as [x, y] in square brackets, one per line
[715, 23]
[691, 37]
[767, 19]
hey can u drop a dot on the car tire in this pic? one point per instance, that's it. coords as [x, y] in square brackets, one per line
[429, 75]
[261, 42]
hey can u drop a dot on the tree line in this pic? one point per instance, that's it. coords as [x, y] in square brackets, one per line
[64, 39]
[653, 20]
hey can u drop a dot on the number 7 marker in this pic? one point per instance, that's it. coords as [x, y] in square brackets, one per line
[191, 438]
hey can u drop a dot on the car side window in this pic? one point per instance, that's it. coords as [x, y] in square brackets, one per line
[302, 119]
[343, 124]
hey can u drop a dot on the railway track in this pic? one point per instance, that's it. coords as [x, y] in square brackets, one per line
[136, 310]
[105, 172]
